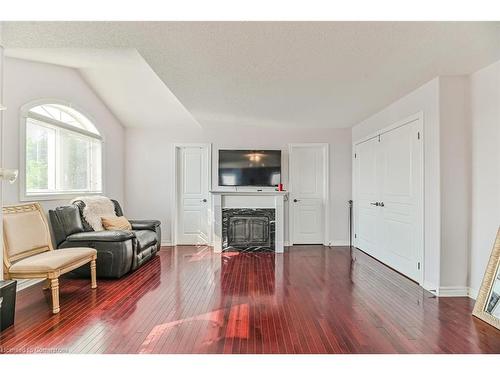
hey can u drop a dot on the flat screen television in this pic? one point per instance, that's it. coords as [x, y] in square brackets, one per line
[249, 167]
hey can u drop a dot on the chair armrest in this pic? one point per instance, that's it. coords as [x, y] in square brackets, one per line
[145, 224]
[104, 236]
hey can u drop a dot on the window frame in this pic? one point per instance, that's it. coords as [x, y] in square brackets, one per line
[26, 114]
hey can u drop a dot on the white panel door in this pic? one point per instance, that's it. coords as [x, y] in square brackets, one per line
[307, 196]
[388, 200]
[367, 227]
[401, 199]
[192, 195]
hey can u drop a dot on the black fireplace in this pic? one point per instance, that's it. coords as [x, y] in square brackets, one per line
[248, 229]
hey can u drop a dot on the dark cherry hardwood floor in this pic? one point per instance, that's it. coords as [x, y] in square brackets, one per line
[311, 299]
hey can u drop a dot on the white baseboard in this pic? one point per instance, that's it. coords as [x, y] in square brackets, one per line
[473, 293]
[23, 284]
[453, 291]
[332, 243]
[339, 243]
[168, 243]
[430, 288]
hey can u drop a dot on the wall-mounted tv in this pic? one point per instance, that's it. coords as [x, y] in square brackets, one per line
[249, 167]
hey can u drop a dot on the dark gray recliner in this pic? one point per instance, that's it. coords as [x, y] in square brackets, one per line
[118, 252]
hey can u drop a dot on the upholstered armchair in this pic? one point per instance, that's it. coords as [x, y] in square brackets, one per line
[118, 251]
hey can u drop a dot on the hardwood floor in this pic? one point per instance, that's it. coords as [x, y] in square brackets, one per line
[311, 299]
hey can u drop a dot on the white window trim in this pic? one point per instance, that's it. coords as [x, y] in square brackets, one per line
[24, 115]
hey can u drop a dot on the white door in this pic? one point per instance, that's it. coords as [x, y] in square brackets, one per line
[388, 207]
[192, 195]
[400, 196]
[368, 190]
[307, 193]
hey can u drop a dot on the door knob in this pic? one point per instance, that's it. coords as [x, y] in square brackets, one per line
[375, 204]
[381, 204]
[204, 200]
[295, 200]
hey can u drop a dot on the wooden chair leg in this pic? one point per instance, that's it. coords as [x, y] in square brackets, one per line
[54, 287]
[93, 277]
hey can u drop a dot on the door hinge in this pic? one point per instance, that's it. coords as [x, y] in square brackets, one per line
[418, 265]
[418, 135]
[355, 155]
[355, 235]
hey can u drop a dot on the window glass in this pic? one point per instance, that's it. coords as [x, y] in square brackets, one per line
[59, 159]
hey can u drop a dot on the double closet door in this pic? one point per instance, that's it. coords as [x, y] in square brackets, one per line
[388, 198]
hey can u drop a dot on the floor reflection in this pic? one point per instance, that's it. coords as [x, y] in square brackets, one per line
[248, 273]
[310, 299]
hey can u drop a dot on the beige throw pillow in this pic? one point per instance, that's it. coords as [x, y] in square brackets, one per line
[116, 223]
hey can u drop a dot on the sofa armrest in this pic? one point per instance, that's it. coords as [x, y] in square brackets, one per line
[145, 224]
[104, 236]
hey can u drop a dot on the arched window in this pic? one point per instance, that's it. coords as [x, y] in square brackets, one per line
[62, 152]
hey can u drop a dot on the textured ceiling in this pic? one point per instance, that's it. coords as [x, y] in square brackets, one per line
[123, 80]
[283, 74]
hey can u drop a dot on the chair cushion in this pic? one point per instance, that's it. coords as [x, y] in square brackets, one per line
[145, 238]
[52, 260]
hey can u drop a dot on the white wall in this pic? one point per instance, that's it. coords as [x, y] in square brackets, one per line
[455, 182]
[485, 204]
[25, 81]
[424, 99]
[462, 173]
[149, 161]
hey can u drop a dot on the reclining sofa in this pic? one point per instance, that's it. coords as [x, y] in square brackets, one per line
[118, 252]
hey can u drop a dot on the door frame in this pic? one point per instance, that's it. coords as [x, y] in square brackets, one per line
[175, 207]
[326, 190]
[419, 116]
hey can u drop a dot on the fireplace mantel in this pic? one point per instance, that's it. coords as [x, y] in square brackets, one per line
[223, 192]
[248, 199]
